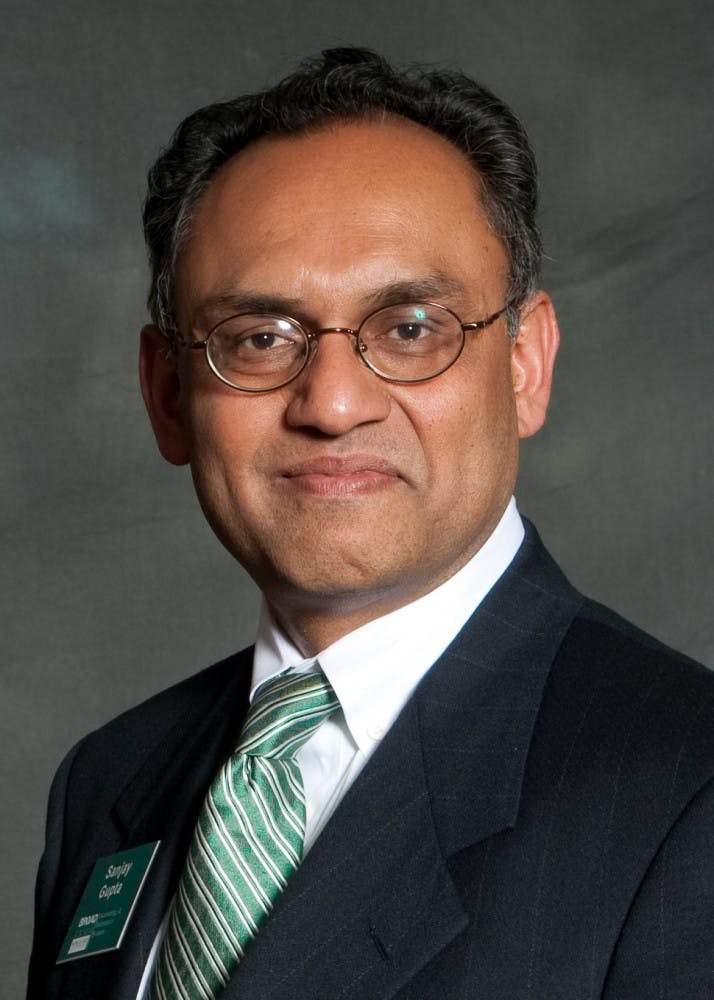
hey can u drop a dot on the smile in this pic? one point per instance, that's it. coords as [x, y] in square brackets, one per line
[336, 477]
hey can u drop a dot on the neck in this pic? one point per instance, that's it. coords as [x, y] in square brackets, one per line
[314, 625]
[315, 620]
[313, 632]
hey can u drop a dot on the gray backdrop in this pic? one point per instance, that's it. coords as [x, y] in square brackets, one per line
[113, 584]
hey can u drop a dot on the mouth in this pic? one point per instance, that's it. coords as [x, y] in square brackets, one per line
[334, 477]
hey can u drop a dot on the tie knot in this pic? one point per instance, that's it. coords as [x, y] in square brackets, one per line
[285, 713]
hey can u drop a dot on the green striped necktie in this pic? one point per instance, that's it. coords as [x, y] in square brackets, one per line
[247, 842]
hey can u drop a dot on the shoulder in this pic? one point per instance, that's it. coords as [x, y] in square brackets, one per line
[153, 739]
[637, 716]
[157, 723]
[635, 748]
[610, 655]
[618, 804]
[166, 707]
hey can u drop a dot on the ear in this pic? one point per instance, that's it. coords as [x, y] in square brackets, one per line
[161, 390]
[532, 359]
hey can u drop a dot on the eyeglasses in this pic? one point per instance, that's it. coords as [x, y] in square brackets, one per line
[411, 342]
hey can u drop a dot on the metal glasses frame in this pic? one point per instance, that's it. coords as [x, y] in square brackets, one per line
[312, 337]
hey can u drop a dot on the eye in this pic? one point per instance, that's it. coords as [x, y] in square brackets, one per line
[410, 331]
[246, 336]
[411, 326]
[266, 340]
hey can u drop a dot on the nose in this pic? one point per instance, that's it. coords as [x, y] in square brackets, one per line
[336, 391]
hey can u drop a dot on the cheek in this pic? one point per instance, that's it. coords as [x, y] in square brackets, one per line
[219, 439]
[223, 424]
[225, 454]
[471, 435]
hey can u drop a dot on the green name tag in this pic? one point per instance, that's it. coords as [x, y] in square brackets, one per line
[107, 903]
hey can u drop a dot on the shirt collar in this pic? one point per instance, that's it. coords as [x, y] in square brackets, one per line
[375, 669]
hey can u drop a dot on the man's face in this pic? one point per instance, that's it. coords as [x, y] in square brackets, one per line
[343, 494]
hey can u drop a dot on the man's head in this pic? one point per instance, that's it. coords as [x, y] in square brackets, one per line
[344, 84]
[343, 493]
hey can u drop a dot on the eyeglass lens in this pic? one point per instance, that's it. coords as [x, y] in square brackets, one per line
[407, 343]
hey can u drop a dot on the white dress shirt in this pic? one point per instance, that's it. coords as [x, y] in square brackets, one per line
[373, 672]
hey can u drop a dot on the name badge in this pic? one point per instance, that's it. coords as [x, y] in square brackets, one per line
[107, 903]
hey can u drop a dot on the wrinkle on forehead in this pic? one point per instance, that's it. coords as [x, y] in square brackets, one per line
[433, 286]
[337, 215]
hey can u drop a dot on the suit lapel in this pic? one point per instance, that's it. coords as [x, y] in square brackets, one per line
[185, 757]
[161, 802]
[479, 703]
[374, 900]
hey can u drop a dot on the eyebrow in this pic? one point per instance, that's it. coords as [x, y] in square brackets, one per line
[434, 285]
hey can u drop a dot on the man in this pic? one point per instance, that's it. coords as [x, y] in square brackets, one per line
[503, 790]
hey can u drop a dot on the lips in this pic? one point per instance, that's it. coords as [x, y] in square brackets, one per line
[335, 476]
[328, 465]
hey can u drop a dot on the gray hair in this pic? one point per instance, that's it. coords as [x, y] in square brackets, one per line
[348, 83]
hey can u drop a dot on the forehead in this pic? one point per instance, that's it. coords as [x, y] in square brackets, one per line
[353, 203]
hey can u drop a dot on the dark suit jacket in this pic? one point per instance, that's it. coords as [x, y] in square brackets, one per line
[537, 823]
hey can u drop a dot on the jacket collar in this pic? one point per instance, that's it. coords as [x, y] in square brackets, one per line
[478, 705]
[476, 709]
[374, 900]
[186, 754]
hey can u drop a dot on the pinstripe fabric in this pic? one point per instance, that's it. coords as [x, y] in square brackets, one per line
[247, 842]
